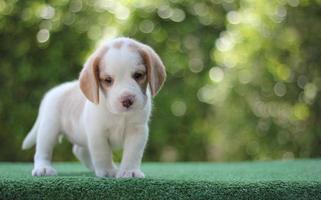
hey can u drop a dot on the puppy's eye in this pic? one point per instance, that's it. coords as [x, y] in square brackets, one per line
[138, 76]
[108, 81]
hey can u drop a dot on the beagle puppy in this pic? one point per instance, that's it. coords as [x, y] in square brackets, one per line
[107, 108]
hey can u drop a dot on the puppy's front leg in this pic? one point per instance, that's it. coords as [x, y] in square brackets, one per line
[135, 141]
[101, 154]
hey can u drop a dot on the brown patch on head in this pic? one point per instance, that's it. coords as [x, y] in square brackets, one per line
[133, 46]
[118, 44]
[155, 68]
[143, 83]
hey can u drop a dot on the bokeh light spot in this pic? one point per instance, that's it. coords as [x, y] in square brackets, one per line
[2, 5]
[245, 76]
[310, 91]
[196, 64]
[293, 3]
[233, 17]
[75, 6]
[43, 35]
[94, 32]
[279, 89]
[178, 15]
[301, 111]
[302, 80]
[47, 12]
[178, 108]
[200, 9]
[146, 26]
[216, 74]
[164, 12]
[225, 42]
[122, 12]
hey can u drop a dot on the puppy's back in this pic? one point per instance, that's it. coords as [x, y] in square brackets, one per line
[73, 101]
[59, 105]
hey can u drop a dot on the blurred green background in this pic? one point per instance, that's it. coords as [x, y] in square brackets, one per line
[244, 76]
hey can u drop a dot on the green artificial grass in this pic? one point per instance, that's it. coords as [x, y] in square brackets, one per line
[298, 179]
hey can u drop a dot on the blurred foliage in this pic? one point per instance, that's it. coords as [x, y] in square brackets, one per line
[270, 56]
[243, 75]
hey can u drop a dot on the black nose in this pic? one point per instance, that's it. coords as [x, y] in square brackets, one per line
[127, 102]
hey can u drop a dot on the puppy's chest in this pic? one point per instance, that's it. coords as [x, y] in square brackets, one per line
[116, 133]
[118, 126]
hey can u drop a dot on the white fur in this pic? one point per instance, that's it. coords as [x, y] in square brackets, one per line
[95, 130]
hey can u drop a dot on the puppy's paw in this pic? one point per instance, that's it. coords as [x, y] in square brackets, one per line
[44, 170]
[106, 173]
[134, 173]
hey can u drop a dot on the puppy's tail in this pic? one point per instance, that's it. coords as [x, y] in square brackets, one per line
[30, 139]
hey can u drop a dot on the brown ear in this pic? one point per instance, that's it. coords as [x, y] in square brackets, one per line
[89, 76]
[156, 73]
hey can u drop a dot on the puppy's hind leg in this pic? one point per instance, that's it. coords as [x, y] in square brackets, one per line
[47, 137]
[83, 155]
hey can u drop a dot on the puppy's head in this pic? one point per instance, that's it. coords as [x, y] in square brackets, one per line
[123, 71]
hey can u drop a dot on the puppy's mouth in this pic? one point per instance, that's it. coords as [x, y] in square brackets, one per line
[129, 109]
[123, 110]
